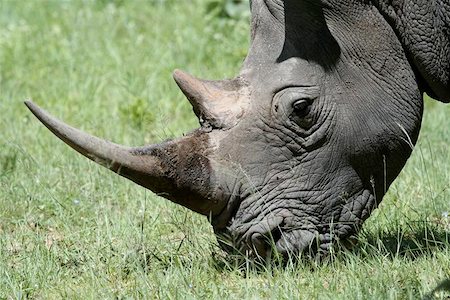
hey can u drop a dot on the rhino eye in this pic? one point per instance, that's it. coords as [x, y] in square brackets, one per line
[295, 104]
[300, 113]
[300, 106]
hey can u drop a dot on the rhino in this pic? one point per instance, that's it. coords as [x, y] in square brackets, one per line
[296, 151]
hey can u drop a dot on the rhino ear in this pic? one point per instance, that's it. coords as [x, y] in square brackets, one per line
[424, 33]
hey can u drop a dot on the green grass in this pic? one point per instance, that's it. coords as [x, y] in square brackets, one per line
[71, 229]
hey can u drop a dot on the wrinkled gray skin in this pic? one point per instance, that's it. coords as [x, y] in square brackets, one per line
[299, 148]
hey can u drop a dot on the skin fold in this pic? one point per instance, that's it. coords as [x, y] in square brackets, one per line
[295, 152]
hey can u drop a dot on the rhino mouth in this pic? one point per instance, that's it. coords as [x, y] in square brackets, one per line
[264, 230]
[263, 241]
[270, 238]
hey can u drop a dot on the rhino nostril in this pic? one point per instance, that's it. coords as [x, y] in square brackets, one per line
[264, 244]
[258, 245]
[276, 233]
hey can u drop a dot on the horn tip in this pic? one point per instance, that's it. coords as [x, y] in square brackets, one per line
[176, 71]
[180, 75]
[38, 112]
[31, 105]
[28, 102]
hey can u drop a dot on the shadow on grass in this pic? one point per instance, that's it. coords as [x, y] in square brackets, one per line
[420, 239]
[444, 286]
[405, 242]
[410, 243]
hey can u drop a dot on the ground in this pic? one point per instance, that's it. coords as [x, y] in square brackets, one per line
[71, 229]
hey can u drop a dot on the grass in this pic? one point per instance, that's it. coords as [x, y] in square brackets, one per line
[70, 229]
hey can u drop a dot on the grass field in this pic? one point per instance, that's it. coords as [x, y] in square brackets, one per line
[70, 229]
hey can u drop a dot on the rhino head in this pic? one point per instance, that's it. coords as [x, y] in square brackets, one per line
[297, 150]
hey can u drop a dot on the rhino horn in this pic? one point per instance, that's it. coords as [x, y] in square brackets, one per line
[178, 170]
[219, 104]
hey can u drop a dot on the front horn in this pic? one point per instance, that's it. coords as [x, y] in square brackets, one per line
[178, 170]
